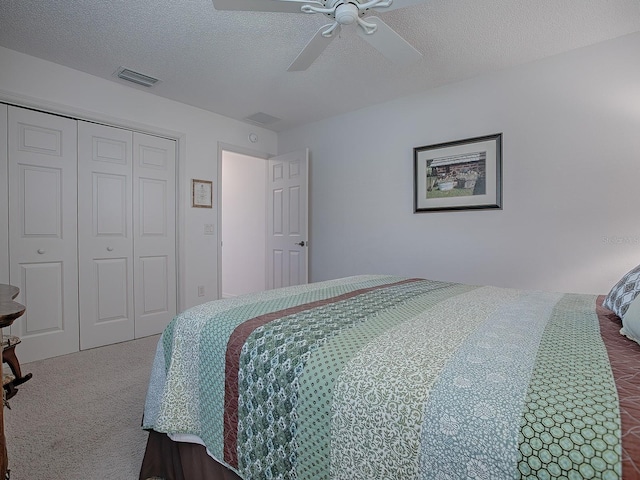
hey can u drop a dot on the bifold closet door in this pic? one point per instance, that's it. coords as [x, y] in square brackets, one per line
[105, 234]
[42, 157]
[126, 234]
[154, 226]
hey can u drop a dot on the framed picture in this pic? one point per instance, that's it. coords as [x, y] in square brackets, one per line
[461, 175]
[201, 193]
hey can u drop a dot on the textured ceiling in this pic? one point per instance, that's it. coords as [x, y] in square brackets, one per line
[235, 63]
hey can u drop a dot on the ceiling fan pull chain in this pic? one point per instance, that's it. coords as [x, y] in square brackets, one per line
[369, 28]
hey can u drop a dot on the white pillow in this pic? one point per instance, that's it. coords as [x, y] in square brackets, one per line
[631, 321]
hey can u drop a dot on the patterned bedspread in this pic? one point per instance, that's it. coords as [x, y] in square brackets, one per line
[380, 377]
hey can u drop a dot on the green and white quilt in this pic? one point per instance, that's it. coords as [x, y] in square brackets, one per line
[382, 377]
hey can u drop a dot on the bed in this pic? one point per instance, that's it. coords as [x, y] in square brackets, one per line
[384, 377]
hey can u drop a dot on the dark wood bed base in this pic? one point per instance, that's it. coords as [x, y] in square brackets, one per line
[171, 460]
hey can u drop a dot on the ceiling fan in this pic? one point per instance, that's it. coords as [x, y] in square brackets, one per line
[341, 12]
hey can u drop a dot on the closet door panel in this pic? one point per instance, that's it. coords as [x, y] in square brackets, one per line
[155, 295]
[154, 230]
[43, 284]
[41, 213]
[42, 159]
[105, 230]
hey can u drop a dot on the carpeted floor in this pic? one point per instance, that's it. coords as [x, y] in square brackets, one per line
[79, 417]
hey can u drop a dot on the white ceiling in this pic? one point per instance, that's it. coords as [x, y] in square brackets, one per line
[235, 63]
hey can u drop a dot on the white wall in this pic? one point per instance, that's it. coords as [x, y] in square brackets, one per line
[4, 198]
[244, 224]
[30, 81]
[571, 153]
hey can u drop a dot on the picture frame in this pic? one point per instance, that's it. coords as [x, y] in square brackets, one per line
[460, 175]
[201, 193]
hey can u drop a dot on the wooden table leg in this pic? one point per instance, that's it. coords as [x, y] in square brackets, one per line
[4, 461]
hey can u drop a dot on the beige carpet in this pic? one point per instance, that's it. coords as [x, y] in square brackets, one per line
[79, 417]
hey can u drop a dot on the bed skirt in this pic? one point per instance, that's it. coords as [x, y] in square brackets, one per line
[169, 460]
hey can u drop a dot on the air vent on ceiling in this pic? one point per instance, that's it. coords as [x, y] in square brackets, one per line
[262, 118]
[136, 77]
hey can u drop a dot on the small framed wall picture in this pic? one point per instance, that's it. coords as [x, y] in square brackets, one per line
[201, 193]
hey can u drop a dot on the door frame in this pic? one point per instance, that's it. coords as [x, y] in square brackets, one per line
[182, 192]
[227, 147]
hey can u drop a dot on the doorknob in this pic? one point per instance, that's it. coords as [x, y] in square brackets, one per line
[109, 249]
[302, 243]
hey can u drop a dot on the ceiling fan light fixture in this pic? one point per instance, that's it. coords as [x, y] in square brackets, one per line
[347, 14]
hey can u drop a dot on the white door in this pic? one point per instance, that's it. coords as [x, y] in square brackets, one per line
[43, 231]
[287, 225]
[154, 229]
[105, 234]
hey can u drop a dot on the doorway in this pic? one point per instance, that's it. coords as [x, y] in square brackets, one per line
[243, 223]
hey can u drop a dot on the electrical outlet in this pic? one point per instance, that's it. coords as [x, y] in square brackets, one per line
[201, 290]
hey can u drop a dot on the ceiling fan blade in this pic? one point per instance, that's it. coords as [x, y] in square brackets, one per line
[287, 6]
[390, 44]
[401, 4]
[313, 49]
